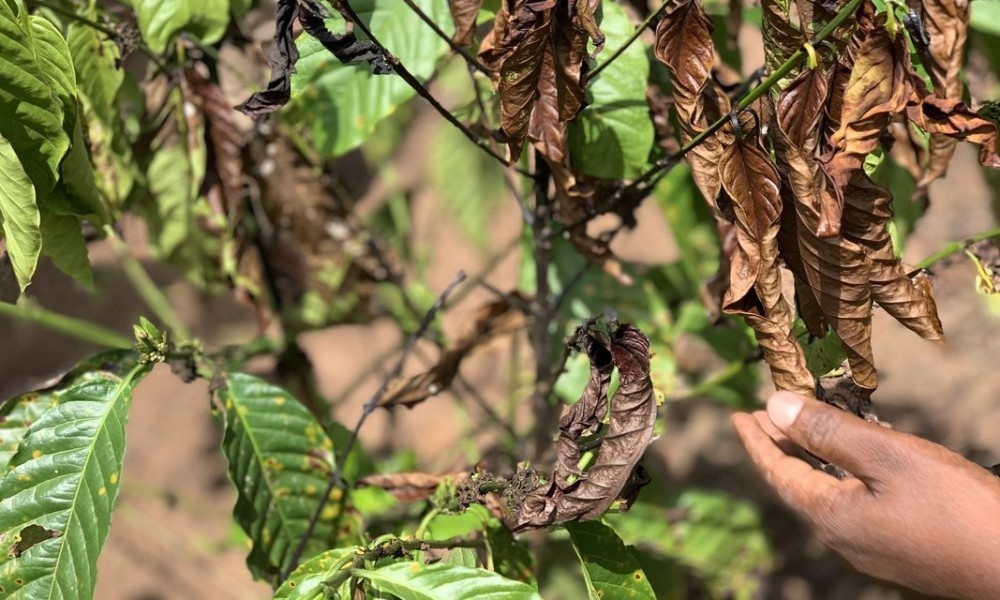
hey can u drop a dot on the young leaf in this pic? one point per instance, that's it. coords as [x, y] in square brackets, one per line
[280, 460]
[61, 484]
[612, 573]
[19, 216]
[161, 21]
[414, 581]
[36, 132]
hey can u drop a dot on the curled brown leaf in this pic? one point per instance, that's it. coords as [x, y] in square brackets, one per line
[613, 475]
[411, 487]
[464, 13]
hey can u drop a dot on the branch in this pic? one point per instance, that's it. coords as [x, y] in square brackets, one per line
[335, 475]
[470, 59]
[64, 324]
[632, 38]
[955, 248]
[413, 82]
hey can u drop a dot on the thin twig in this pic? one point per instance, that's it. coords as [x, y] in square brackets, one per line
[472, 61]
[955, 248]
[413, 82]
[336, 479]
[632, 38]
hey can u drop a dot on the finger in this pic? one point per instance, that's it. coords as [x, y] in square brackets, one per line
[799, 485]
[864, 449]
[780, 439]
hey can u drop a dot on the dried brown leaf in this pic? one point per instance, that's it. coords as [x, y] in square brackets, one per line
[755, 291]
[630, 429]
[492, 320]
[464, 13]
[410, 487]
[954, 119]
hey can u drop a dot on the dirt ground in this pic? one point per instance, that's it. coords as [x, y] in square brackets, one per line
[172, 536]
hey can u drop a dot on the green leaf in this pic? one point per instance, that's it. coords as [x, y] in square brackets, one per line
[61, 484]
[985, 17]
[280, 461]
[611, 138]
[205, 20]
[341, 104]
[609, 568]
[63, 243]
[95, 60]
[19, 216]
[307, 579]
[31, 114]
[510, 557]
[416, 581]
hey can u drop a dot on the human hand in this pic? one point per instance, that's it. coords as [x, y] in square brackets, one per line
[913, 512]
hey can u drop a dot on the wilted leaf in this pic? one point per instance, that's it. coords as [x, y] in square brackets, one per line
[684, 44]
[284, 53]
[543, 46]
[946, 24]
[19, 216]
[878, 88]
[954, 119]
[630, 429]
[410, 487]
[755, 289]
[494, 319]
[464, 12]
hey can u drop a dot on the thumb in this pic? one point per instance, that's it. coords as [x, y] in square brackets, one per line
[832, 434]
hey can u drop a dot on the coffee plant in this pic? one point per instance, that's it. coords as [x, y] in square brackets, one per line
[791, 189]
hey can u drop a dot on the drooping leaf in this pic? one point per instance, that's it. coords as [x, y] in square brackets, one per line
[543, 49]
[284, 54]
[614, 474]
[160, 22]
[61, 484]
[612, 136]
[339, 121]
[414, 581]
[946, 25]
[19, 216]
[954, 119]
[755, 291]
[493, 319]
[280, 460]
[684, 44]
[878, 88]
[464, 13]
[410, 487]
[31, 113]
[611, 572]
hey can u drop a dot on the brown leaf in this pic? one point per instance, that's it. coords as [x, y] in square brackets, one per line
[781, 39]
[755, 289]
[684, 44]
[410, 487]
[493, 319]
[543, 48]
[464, 13]
[865, 222]
[630, 429]
[946, 23]
[954, 119]
[878, 88]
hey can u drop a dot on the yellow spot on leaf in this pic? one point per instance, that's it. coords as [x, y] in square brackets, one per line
[279, 400]
[36, 453]
[329, 513]
[24, 477]
[102, 490]
[336, 494]
[310, 490]
[114, 478]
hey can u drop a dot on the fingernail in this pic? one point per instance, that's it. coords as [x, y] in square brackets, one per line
[783, 408]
